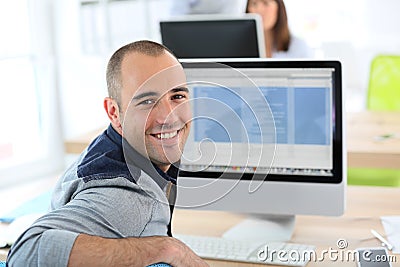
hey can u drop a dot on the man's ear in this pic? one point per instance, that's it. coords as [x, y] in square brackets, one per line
[112, 109]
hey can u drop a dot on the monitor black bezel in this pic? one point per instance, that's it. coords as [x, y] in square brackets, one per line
[337, 126]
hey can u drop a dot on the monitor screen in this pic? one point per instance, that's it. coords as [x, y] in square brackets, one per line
[214, 36]
[266, 137]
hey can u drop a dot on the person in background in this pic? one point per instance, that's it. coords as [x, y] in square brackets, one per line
[113, 206]
[279, 42]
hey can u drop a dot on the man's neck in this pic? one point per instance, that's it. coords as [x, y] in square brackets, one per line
[163, 167]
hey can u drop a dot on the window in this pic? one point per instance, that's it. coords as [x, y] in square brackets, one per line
[29, 144]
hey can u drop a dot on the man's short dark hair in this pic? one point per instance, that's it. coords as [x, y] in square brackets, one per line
[113, 76]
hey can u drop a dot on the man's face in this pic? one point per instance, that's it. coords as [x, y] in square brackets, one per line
[154, 107]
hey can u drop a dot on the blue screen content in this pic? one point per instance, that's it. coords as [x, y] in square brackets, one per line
[301, 115]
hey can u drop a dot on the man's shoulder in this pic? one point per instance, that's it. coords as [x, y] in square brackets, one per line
[104, 159]
[82, 175]
[107, 165]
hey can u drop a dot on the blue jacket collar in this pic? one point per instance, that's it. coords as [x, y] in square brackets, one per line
[110, 155]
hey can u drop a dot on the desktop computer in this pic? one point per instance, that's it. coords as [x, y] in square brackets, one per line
[211, 36]
[267, 140]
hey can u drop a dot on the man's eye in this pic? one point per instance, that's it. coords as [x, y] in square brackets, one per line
[179, 96]
[147, 102]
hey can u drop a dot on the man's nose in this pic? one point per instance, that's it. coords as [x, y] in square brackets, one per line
[165, 112]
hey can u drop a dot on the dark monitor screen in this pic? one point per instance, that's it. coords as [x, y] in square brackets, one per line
[214, 37]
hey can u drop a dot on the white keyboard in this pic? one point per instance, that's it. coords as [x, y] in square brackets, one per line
[247, 251]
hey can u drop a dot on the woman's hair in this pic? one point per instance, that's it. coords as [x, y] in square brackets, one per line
[281, 29]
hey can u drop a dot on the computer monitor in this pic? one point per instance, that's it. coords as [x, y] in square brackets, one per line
[266, 140]
[214, 36]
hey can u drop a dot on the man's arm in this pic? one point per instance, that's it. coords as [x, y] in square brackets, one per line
[97, 251]
[104, 218]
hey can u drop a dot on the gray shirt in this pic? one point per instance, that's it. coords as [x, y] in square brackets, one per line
[98, 195]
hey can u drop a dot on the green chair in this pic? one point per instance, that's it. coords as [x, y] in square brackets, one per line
[384, 84]
[383, 95]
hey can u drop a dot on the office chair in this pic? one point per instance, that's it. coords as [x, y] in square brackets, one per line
[383, 95]
[384, 84]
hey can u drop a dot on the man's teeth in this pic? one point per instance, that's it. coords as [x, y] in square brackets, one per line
[166, 135]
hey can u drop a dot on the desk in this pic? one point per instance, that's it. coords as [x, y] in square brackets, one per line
[362, 148]
[364, 206]
[77, 144]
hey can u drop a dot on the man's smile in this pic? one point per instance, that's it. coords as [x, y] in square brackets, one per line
[167, 135]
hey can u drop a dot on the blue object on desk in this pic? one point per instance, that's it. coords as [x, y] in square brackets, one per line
[2, 264]
[39, 204]
[157, 265]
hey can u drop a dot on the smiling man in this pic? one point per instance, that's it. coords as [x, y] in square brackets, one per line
[113, 206]
[157, 118]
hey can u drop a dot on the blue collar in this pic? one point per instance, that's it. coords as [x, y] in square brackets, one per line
[110, 155]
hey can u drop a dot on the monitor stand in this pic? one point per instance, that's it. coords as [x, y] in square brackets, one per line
[263, 228]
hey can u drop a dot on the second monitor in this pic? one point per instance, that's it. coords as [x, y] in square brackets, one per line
[214, 36]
